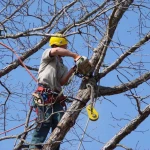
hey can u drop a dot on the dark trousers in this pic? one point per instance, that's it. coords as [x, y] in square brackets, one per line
[40, 133]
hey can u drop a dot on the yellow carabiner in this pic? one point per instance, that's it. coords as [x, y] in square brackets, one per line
[92, 113]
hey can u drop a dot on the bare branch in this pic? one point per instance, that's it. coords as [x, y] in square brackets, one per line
[127, 129]
[123, 56]
[103, 91]
[100, 51]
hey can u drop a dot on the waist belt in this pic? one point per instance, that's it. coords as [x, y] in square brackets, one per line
[46, 87]
[45, 96]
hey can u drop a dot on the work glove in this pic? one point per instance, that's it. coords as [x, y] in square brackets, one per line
[83, 65]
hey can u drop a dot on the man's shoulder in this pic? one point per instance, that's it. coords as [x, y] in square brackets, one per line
[47, 49]
[46, 55]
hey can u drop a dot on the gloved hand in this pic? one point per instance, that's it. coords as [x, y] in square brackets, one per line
[83, 65]
[80, 59]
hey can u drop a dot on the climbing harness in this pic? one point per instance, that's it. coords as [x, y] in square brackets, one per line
[45, 96]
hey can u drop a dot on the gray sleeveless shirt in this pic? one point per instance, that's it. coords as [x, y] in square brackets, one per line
[51, 71]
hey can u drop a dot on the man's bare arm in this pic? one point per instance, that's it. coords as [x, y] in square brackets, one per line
[63, 52]
[65, 79]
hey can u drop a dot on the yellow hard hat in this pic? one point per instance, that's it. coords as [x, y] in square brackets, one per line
[58, 40]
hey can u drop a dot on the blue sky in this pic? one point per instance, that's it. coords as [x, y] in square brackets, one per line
[106, 126]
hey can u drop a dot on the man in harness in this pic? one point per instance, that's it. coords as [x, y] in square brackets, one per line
[48, 99]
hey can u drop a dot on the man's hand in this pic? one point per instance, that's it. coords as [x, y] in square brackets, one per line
[80, 60]
[77, 57]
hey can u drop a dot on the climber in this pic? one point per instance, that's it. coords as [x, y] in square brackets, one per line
[52, 75]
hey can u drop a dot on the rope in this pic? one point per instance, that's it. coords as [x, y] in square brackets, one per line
[16, 127]
[93, 100]
[92, 105]
[29, 74]
[19, 60]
